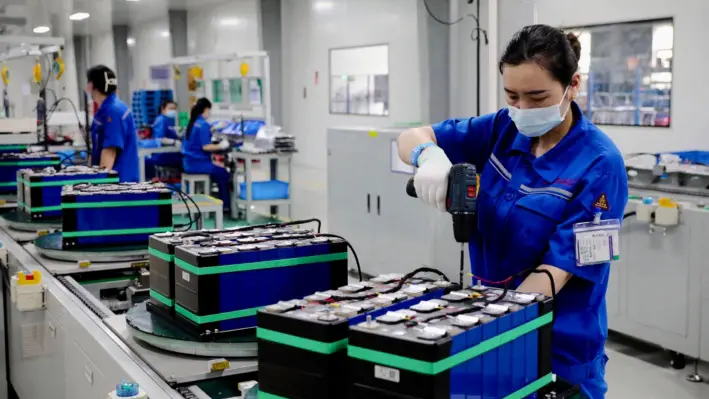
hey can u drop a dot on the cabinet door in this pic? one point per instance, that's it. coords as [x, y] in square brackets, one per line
[403, 224]
[351, 202]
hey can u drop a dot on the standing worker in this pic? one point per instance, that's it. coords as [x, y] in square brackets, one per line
[197, 150]
[543, 168]
[164, 132]
[113, 135]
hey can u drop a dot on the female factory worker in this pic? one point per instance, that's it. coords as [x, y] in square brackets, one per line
[113, 135]
[197, 149]
[164, 130]
[543, 168]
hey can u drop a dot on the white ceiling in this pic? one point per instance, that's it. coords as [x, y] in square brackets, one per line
[104, 13]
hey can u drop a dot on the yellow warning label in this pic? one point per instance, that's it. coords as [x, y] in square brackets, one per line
[219, 365]
[602, 203]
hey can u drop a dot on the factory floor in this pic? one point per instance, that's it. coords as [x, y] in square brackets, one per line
[635, 370]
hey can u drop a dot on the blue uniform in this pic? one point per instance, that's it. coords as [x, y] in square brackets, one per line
[114, 127]
[527, 208]
[197, 161]
[164, 127]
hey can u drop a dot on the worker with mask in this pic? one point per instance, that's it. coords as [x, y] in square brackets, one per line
[545, 171]
[164, 132]
[114, 138]
[198, 148]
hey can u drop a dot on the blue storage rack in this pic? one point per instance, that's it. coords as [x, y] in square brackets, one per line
[146, 104]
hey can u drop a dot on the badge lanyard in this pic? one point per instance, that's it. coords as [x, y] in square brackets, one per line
[597, 242]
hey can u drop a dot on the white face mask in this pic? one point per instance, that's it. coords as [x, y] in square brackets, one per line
[535, 122]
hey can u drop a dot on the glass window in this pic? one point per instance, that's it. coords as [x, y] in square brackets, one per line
[359, 80]
[626, 72]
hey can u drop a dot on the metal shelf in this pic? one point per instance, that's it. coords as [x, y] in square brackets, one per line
[247, 204]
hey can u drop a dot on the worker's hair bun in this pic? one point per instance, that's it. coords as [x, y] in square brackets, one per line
[575, 44]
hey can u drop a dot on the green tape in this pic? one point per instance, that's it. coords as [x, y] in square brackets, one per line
[266, 395]
[161, 255]
[29, 163]
[68, 182]
[13, 146]
[212, 318]
[326, 348]
[266, 264]
[160, 297]
[532, 388]
[42, 208]
[8, 184]
[433, 368]
[114, 204]
[99, 233]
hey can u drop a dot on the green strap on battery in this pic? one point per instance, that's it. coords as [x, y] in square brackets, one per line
[162, 298]
[161, 255]
[30, 163]
[117, 232]
[325, 348]
[8, 184]
[14, 146]
[68, 182]
[522, 393]
[266, 264]
[433, 368]
[114, 204]
[40, 208]
[213, 318]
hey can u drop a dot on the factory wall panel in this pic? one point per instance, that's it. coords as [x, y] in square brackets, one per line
[223, 28]
[310, 30]
[102, 50]
[152, 46]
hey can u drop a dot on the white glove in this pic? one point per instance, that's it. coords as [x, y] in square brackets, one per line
[224, 144]
[431, 179]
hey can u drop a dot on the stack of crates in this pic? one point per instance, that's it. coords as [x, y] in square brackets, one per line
[214, 282]
[114, 215]
[146, 105]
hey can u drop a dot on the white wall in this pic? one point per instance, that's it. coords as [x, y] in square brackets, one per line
[102, 51]
[310, 29]
[152, 47]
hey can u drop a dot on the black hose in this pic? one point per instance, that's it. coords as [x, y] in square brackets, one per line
[629, 214]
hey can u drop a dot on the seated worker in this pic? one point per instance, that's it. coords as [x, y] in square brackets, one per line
[164, 132]
[197, 149]
[114, 139]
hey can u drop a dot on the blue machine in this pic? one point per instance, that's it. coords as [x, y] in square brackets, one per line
[39, 191]
[125, 214]
[222, 281]
[11, 163]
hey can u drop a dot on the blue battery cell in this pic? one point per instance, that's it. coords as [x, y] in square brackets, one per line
[11, 163]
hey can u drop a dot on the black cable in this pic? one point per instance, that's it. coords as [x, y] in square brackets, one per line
[395, 288]
[359, 268]
[189, 216]
[304, 221]
[629, 214]
[474, 36]
[553, 291]
[184, 196]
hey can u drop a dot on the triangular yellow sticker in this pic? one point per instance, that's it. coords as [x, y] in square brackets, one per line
[602, 203]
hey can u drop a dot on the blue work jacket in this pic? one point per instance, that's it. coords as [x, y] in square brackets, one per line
[164, 127]
[114, 127]
[527, 208]
[194, 158]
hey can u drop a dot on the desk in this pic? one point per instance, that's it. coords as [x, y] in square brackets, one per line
[206, 206]
[146, 152]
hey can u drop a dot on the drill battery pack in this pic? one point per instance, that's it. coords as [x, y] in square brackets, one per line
[220, 284]
[302, 343]
[114, 215]
[11, 163]
[460, 347]
[39, 191]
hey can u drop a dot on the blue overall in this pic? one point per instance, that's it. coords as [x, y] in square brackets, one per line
[527, 208]
[164, 127]
[196, 160]
[114, 127]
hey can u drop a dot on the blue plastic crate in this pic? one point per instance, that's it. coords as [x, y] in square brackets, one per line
[265, 190]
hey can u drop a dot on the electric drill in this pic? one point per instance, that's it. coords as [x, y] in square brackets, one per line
[461, 203]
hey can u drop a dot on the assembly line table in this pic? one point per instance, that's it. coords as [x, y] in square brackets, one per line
[206, 206]
[146, 152]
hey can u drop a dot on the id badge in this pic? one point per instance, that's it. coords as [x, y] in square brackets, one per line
[597, 242]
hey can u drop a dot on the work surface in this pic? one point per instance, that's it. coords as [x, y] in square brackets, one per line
[173, 367]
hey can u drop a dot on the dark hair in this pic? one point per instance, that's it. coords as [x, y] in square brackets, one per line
[164, 105]
[548, 47]
[103, 79]
[200, 106]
